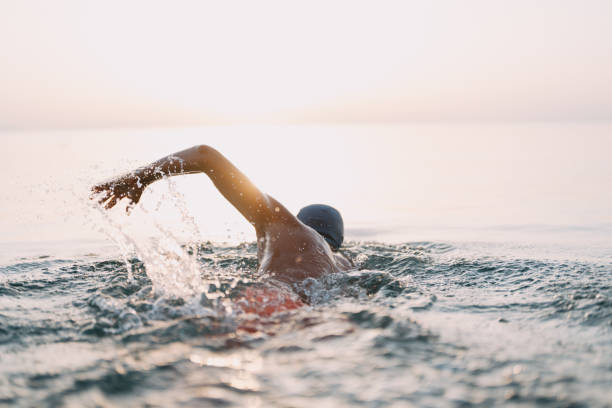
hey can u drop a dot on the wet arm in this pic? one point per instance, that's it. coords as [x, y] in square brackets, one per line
[255, 206]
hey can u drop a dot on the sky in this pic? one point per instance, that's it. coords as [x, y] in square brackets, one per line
[134, 63]
[432, 113]
[417, 181]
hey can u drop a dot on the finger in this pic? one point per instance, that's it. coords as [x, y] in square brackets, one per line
[134, 196]
[100, 187]
[96, 194]
[93, 191]
[134, 199]
[104, 198]
[111, 203]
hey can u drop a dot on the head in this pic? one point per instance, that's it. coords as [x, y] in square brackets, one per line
[326, 220]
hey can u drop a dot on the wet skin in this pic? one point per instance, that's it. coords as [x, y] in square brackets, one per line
[287, 250]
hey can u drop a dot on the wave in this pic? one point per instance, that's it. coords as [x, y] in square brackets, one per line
[419, 323]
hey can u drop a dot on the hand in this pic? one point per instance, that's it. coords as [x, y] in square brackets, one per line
[129, 186]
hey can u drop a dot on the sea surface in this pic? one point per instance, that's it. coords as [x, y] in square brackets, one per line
[483, 272]
[451, 323]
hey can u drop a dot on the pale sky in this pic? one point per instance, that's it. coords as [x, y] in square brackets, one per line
[382, 177]
[79, 63]
[407, 79]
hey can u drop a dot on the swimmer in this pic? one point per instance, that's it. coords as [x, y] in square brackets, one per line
[289, 248]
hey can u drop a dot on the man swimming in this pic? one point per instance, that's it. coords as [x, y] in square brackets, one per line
[289, 248]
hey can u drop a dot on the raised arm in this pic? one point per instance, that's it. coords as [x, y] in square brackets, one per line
[255, 206]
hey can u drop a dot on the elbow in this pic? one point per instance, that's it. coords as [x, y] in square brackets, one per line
[207, 158]
[206, 151]
[203, 149]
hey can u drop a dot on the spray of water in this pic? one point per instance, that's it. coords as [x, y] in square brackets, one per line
[169, 264]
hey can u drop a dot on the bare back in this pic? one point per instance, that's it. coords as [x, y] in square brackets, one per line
[290, 251]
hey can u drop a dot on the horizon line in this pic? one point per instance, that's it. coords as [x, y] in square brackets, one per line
[366, 122]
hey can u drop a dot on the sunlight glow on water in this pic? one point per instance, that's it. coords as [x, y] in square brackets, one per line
[416, 323]
[436, 313]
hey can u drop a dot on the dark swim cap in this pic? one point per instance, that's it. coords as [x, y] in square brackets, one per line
[326, 220]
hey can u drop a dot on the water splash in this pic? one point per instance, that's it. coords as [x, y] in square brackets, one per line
[168, 261]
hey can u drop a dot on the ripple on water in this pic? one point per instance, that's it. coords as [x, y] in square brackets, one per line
[416, 323]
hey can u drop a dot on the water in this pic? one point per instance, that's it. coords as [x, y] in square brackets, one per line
[417, 323]
[483, 275]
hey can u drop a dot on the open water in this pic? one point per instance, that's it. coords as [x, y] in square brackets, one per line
[415, 324]
[442, 316]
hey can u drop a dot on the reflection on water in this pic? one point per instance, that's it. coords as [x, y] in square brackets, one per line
[416, 323]
[431, 316]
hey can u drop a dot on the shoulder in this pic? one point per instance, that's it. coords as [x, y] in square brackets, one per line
[278, 213]
[275, 216]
